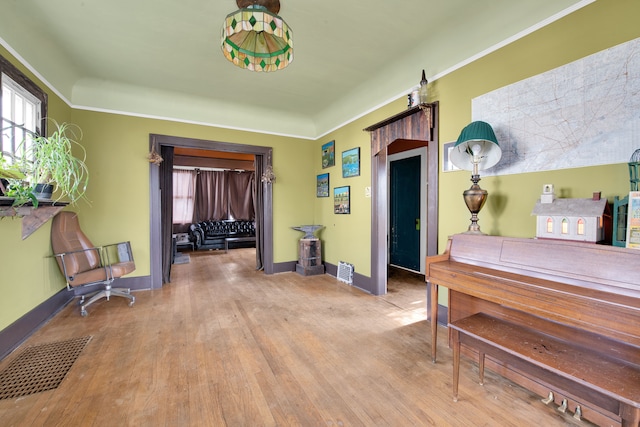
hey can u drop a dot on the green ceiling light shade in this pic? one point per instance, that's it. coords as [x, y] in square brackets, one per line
[256, 38]
[477, 148]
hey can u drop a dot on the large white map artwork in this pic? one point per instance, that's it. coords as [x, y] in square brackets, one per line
[584, 113]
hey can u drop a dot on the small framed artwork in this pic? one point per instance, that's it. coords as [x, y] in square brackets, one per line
[447, 165]
[322, 185]
[351, 162]
[328, 154]
[341, 200]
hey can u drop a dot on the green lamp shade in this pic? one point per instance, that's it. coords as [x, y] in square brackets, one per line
[257, 39]
[478, 136]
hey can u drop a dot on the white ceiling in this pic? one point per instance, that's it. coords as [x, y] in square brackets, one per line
[162, 58]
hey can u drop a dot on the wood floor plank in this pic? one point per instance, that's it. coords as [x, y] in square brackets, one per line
[226, 345]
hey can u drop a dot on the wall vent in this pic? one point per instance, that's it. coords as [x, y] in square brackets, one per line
[345, 272]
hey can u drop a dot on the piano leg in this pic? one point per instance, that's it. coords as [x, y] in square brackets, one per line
[481, 366]
[455, 336]
[434, 321]
[630, 415]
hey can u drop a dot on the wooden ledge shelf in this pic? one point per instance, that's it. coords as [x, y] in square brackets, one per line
[32, 218]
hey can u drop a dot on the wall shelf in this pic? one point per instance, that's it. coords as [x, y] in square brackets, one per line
[32, 218]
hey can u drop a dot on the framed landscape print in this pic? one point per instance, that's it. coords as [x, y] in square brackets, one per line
[341, 200]
[328, 154]
[351, 162]
[322, 185]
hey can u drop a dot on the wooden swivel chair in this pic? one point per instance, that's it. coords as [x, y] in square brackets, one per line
[84, 264]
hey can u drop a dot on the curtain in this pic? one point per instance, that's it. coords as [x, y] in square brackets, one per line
[184, 187]
[241, 195]
[166, 201]
[258, 203]
[211, 200]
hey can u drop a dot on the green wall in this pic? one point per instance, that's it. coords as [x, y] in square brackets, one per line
[601, 25]
[117, 148]
[28, 276]
[119, 190]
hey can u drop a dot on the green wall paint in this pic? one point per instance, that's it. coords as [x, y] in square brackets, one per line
[28, 276]
[601, 25]
[117, 147]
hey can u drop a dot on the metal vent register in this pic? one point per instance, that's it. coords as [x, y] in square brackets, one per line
[40, 368]
[345, 272]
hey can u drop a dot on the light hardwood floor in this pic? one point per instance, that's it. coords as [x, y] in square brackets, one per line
[225, 345]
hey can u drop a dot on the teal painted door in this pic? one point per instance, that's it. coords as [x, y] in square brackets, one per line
[404, 213]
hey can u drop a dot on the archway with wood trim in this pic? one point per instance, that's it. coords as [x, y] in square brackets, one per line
[416, 123]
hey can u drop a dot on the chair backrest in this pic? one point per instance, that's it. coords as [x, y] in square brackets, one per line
[66, 236]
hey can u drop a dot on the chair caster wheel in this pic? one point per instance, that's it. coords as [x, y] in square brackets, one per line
[83, 313]
[131, 303]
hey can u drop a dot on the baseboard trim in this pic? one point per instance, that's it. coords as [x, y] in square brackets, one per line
[16, 333]
[284, 267]
[361, 282]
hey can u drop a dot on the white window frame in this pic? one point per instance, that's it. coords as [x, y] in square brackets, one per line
[20, 121]
[23, 90]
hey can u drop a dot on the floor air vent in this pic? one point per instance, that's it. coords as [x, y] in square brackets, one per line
[40, 368]
[345, 272]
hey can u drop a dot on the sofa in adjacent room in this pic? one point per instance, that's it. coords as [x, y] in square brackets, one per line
[223, 234]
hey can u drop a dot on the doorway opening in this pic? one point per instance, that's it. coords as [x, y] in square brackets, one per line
[264, 216]
[407, 209]
[417, 124]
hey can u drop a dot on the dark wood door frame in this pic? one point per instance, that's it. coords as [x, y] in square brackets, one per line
[417, 123]
[263, 154]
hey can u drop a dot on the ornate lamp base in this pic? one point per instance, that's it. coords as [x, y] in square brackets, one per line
[474, 198]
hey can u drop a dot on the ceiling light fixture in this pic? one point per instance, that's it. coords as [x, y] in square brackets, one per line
[256, 38]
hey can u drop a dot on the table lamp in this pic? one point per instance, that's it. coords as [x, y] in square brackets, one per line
[476, 149]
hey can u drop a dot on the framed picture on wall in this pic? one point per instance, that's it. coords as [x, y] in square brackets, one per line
[328, 154]
[341, 200]
[322, 185]
[351, 162]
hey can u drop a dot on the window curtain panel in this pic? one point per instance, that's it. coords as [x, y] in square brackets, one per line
[184, 188]
[211, 200]
[241, 195]
[166, 215]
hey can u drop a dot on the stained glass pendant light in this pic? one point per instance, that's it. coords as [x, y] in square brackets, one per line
[256, 38]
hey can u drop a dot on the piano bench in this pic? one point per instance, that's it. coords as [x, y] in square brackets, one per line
[578, 377]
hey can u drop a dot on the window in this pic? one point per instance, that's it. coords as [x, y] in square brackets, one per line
[184, 186]
[565, 226]
[549, 225]
[581, 227]
[23, 110]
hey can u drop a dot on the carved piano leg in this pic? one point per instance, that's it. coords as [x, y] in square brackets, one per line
[549, 398]
[456, 362]
[563, 408]
[481, 367]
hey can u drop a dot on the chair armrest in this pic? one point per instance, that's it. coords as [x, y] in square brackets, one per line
[95, 248]
[118, 252]
[63, 265]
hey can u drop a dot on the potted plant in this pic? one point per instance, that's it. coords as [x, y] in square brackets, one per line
[7, 172]
[49, 161]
